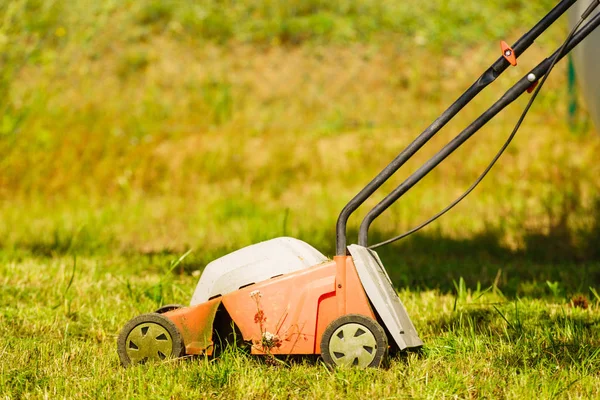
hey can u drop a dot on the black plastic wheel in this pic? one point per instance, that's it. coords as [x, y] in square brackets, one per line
[149, 337]
[354, 340]
[168, 307]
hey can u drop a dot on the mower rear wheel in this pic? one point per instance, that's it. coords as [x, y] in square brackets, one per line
[354, 340]
[149, 337]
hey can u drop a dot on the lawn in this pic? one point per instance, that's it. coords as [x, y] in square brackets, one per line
[60, 318]
[134, 132]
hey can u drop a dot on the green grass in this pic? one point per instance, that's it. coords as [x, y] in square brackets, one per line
[59, 322]
[133, 131]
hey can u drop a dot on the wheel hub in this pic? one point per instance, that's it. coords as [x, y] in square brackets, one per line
[353, 344]
[149, 341]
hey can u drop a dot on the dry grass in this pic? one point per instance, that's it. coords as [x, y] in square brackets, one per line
[265, 130]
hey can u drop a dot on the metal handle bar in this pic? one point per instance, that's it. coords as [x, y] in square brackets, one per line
[510, 96]
[484, 80]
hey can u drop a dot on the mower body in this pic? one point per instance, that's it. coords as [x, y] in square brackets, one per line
[281, 295]
[272, 293]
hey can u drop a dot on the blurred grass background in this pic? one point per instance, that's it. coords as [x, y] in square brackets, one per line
[150, 127]
[132, 131]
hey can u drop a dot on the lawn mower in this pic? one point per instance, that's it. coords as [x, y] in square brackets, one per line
[284, 297]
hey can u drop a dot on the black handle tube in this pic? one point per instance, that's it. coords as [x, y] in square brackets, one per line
[510, 96]
[499, 66]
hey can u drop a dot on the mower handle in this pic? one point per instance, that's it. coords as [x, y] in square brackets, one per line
[510, 96]
[490, 75]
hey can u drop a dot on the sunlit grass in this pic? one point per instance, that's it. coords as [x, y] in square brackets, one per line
[59, 340]
[131, 132]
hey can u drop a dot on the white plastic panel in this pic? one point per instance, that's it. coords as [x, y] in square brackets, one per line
[587, 60]
[253, 264]
[383, 296]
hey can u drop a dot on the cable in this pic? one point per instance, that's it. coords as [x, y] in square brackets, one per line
[508, 141]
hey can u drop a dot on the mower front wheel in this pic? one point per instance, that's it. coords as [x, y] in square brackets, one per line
[354, 340]
[149, 337]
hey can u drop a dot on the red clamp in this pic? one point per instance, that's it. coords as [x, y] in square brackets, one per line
[531, 87]
[508, 53]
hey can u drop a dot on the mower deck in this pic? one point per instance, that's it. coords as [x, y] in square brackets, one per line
[282, 312]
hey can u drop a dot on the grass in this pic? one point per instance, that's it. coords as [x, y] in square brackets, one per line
[131, 132]
[58, 340]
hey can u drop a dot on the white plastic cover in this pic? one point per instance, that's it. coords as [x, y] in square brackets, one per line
[253, 264]
[587, 60]
[383, 296]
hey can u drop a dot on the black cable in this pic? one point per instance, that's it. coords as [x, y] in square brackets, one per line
[508, 141]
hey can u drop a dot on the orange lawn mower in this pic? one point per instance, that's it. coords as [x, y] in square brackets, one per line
[283, 297]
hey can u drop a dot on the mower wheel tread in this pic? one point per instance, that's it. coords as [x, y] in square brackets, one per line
[354, 340]
[149, 337]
